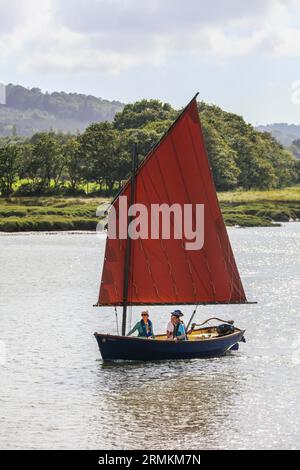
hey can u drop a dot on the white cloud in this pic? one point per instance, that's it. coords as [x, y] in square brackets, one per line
[153, 16]
[112, 35]
[27, 27]
[10, 13]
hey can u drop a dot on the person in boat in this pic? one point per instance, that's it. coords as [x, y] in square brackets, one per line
[144, 327]
[176, 328]
[171, 325]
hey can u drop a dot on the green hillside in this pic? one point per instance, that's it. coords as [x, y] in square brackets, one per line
[28, 111]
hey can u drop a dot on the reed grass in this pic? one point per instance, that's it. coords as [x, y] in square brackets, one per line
[246, 209]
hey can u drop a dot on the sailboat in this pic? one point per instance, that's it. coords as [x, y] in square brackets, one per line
[150, 271]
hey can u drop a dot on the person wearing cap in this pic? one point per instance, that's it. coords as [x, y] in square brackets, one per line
[176, 328]
[143, 327]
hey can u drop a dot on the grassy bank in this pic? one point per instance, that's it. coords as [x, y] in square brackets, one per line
[260, 208]
[246, 209]
[48, 214]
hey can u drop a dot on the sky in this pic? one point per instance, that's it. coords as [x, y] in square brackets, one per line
[241, 55]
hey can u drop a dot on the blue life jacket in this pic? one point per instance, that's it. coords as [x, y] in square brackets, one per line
[144, 328]
[179, 330]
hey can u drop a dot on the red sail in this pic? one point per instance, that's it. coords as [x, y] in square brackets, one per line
[163, 271]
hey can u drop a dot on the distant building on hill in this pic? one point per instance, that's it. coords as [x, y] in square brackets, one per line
[2, 94]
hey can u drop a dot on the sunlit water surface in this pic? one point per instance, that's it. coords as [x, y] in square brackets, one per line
[56, 392]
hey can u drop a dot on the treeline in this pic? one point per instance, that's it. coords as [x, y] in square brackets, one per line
[30, 110]
[66, 105]
[99, 159]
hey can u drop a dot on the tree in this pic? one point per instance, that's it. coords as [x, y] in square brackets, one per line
[74, 162]
[30, 166]
[255, 170]
[145, 139]
[99, 145]
[222, 160]
[142, 112]
[47, 157]
[285, 168]
[282, 161]
[10, 162]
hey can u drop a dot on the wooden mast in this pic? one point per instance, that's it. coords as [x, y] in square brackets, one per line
[128, 242]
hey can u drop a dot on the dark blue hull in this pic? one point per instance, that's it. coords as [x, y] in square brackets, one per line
[118, 348]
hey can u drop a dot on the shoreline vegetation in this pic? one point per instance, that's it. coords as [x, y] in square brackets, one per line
[53, 214]
[54, 181]
[97, 161]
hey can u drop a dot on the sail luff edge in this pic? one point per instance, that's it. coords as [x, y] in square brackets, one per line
[153, 149]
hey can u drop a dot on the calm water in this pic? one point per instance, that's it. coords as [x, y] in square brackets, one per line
[56, 393]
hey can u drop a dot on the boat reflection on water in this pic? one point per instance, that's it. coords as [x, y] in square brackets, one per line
[185, 403]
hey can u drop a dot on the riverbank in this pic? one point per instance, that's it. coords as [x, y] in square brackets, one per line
[244, 208]
[260, 208]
